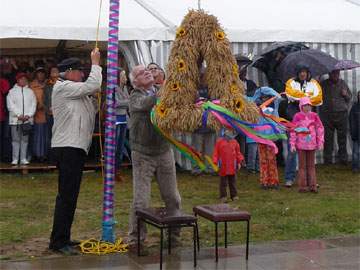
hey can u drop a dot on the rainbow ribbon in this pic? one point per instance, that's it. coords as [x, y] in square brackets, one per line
[262, 133]
[185, 149]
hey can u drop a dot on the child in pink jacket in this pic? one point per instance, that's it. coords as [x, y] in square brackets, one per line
[229, 158]
[306, 138]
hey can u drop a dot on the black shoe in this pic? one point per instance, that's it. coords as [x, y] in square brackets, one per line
[67, 251]
[74, 243]
[133, 248]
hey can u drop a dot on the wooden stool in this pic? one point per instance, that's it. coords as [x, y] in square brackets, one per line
[224, 213]
[159, 218]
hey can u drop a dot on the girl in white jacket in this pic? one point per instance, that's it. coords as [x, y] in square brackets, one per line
[21, 103]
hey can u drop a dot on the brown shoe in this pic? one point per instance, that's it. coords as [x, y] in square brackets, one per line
[118, 177]
[303, 190]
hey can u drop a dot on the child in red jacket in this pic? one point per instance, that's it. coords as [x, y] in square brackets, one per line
[228, 157]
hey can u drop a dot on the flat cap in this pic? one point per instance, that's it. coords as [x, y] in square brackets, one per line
[70, 63]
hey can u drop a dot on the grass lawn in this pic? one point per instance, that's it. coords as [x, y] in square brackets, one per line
[27, 207]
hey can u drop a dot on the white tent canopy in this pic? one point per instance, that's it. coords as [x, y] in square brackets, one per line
[326, 21]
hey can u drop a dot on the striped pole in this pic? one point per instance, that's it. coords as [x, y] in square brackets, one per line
[112, 71]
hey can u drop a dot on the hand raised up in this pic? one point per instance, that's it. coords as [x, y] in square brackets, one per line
[95, 57]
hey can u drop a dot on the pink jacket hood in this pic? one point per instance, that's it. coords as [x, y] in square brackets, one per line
[304, 101]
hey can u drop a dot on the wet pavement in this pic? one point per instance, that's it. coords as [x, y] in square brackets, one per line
[329, 254]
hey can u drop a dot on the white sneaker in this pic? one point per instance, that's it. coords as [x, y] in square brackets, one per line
[24, 162]
[288, 184]
[14, 162]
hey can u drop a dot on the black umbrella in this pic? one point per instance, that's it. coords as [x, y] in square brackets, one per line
[242, 59]
[319, 63]
[286, 47]
[268, 59]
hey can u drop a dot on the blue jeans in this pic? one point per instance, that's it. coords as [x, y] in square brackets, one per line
[253, 157]
[290, 165]
[120, 141]
[356, 155]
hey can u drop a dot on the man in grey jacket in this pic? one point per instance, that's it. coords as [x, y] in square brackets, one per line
[74, 108]
[151, 154]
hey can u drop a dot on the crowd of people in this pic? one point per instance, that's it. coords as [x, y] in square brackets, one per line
[53, 107]
[26, 111]
[26, 119]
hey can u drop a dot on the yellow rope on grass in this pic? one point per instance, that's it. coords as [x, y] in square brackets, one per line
[93, 246]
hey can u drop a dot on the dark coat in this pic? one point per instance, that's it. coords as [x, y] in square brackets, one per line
[250, 87]
[354, 118]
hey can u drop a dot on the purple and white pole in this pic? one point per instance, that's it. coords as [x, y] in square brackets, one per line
[110, 129]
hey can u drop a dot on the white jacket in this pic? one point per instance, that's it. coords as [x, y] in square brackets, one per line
[15, 104]
[312, 89]
[74, 111]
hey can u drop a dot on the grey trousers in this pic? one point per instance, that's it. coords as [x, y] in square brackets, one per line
[144, 167]
[19, 143]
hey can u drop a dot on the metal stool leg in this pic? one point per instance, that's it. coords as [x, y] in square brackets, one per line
[197, 236]
[194, 239]
[225, 234]
[138, 235]
[161, 246]
[247, 239]
[169, 240]
[216, 242]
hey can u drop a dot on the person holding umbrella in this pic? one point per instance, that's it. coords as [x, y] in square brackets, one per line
[303, 86]
[334, 114]
[250, 86]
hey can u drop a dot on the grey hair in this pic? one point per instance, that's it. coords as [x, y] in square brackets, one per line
[131, 77]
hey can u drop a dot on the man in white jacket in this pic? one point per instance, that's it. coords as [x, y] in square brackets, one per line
[74, 108]
[21, 103]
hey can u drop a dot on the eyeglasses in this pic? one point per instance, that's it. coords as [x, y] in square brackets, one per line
[153, 68]
[142, 72]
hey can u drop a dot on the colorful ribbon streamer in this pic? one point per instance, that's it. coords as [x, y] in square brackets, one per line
[261, 133]
[185, 149]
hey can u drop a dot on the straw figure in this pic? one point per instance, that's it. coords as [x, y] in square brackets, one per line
[200, 38]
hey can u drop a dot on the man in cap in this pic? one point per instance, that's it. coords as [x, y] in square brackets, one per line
[74, 108]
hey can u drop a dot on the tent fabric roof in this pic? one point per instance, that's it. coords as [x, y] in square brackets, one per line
[334, 21]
